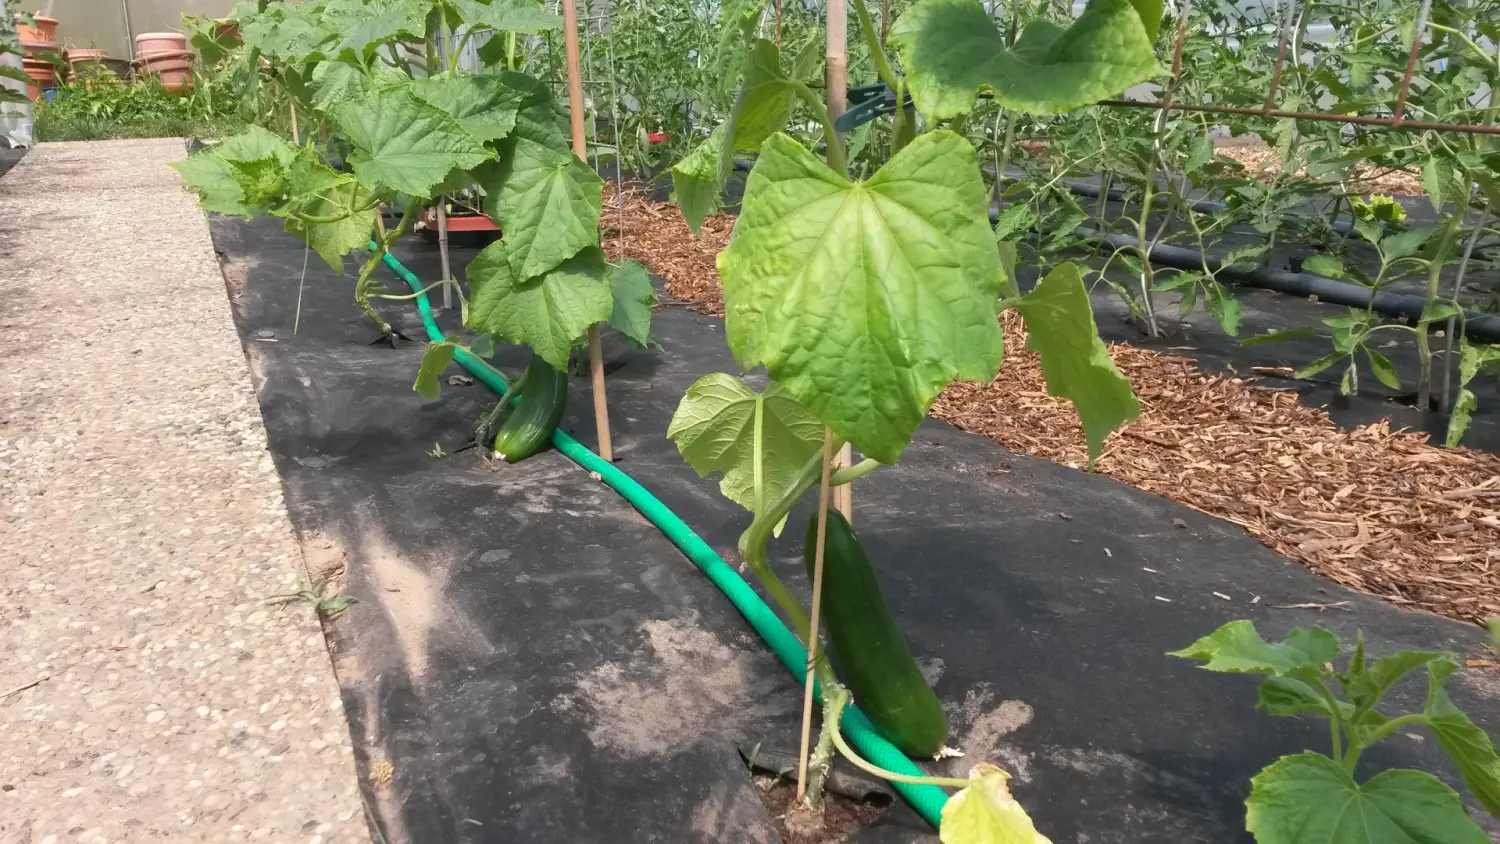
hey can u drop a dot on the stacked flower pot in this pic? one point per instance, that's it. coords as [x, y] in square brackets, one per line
[37, 41]
[166, 55]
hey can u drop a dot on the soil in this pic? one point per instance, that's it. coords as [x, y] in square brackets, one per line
[834, 821]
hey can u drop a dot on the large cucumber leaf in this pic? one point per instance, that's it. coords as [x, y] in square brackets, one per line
[952, 49]
[1236, 648]
[630, 285]
[546, 202]
[697, 180]
[1060, 329]
[484, 106]
[404, 143]
[550, 312]
[986, 813]
[864, 299]
[721, 425]
[366, 25]
[539, 120]
[219, 185]
[349, 231]
[519, 16]
[1308, 798]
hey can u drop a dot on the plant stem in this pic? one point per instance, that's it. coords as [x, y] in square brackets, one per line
[871, 768]
[855, 472]
[820, 113]
[1434, 273]
[1463, 265]
[753, 542]
[1335, 723]
[812, 625]
[877, 52]
[1379, 733]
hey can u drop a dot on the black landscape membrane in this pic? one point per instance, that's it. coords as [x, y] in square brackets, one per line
[529, 660]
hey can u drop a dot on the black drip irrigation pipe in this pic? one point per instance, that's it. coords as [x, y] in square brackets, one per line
[1477, 326]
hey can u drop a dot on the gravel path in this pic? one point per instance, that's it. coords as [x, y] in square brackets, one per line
[148, 690]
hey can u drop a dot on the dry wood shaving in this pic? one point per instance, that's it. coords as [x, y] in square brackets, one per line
[1377, 510]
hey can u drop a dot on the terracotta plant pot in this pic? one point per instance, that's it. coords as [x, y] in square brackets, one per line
[43, 75]
[149, 43]
[36, 48]
[91, 56]
[176, 61]
[45, 29]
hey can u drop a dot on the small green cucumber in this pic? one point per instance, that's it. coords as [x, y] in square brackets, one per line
[875, 663]
[539, 407]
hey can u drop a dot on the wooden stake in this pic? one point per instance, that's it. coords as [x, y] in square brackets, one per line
[581, 149]
[812, 621]
[836, 77]
[442, 223]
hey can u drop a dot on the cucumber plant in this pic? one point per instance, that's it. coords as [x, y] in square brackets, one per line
[390, 120]
[863, 298]
[1313, 798]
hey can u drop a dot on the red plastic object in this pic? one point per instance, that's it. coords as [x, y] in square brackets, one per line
[658, 137]
[460, 223]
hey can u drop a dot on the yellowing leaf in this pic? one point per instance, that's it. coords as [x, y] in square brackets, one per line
[986, 813]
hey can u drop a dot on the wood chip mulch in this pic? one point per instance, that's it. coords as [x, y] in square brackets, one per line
[1264, 162]
[1374, 509]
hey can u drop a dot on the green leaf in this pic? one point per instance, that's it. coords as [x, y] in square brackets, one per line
[547, 204]
[765, 101]
[1463, 412]
[1237, 648]
[865, 299]
[210, 173]
[482, 346]
[335, 83]
[1308, 798]
[404, 143]
[430, 376]
[1438, 309]
[1277, 335]
[952, 49]
[1014, 221]
[549, 312]
[718, 423]
[1467, 744]
[347, 199]
[986, 813]
[484, 106]
[1225, 308]
[1324, 264]
[630, 285]
[1406, 244]
[1150, 12]
[368, 24]
[1320, 364]
[519, 16]
[1201, 149]
[1385, 371]
[1284, 697]
[1366, 686]
[539, 120]
[262, 181]
[696, 181]
[1060, 329]
[1437, 180]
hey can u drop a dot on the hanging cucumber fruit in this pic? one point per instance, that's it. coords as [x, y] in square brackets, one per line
[538, 408]
[876, 665]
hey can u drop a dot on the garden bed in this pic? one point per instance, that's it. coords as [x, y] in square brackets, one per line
[529, 660]
[1366, 504]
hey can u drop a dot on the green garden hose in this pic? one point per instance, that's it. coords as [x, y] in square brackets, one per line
[928, 800]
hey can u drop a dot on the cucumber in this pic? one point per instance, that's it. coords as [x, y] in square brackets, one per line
[539, 407]
[868, 647]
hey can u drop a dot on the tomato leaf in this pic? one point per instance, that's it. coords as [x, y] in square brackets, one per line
[1385, 371]
[716, 427]
[1060, 329]
[548, 312]
[952, 49]
[865, 299]
[1308, 798]
[696, 180]
[986, 813]
[547, 204]
[1325, 265]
